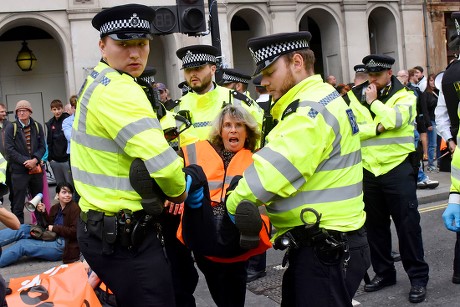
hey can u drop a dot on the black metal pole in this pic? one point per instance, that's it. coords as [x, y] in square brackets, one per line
[215, 32]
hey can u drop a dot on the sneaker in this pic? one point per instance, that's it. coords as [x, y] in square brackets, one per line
[249, 223]
[427, 184]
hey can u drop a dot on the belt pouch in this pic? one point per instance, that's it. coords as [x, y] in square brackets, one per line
[95, 223]
[109, 234]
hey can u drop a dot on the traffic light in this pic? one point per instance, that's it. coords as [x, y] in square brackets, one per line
[165, 21]
[190, 14]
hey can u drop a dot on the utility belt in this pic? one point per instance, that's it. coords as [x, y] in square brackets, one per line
[127, 228]
[330, 246]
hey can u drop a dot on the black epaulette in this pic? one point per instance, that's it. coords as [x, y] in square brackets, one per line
[292, 108]
[242, 97]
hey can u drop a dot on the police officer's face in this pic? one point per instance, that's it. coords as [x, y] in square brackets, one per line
[381, 78]
[233, 133]
[199, 78]
[128, 56]
[278, 78]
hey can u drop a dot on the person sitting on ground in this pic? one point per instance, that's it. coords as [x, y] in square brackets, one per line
[62, 220]
[206, 227]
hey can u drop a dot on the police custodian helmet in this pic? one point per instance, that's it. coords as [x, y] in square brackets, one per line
[125, 22]
[378, 62]
[265, 50]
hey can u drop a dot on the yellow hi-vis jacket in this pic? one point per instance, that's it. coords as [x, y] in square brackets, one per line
[114, 124]
[312, 160]
[186, 137]
[381, 153]
[205, 108]
[2, 169]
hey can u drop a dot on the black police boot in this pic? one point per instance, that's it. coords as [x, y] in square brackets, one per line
[152, 196]
[417, 294]
[379, 282]
[249, 223]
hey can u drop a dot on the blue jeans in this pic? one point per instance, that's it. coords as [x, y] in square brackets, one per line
[432, 143]
[421, 175]
[26, 246]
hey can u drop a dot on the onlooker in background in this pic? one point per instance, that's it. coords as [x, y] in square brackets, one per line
[422, 120]
[331, 80]
[235, 80]
[62, 220]
[67, 130]
[25, 147]
[430, 99]
[421, 123]
[57, 143]
[165, 99]
[360, 74]
[421, 80]
[403, 76]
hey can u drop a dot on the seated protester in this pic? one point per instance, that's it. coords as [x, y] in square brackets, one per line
[62, 220]
[206, 228]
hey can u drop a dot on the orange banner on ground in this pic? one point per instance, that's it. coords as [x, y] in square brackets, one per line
[63, 285]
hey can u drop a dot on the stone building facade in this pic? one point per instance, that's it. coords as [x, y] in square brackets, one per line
[66, 46]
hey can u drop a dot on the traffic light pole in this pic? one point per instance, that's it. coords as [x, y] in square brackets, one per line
[215, 32]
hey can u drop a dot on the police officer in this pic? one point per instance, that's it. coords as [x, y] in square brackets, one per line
[385, 111]
[360, 74]
[113, 120]
[447, 119]
[309, 175]
[205, 100]
[234, 79]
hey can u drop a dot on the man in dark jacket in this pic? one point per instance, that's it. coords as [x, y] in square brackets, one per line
[57, 143]
[25, 147]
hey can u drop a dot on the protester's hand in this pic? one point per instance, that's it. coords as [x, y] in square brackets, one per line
[174, 209]
[451, 217]
[41, 207]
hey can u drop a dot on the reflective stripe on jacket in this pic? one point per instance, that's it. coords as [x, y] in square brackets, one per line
[114, 124]
[312, 160]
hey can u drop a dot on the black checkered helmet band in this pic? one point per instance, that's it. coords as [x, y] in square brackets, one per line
[123, 24]
[268, 53]
[191, 59]
[374, 64]
[226, 78]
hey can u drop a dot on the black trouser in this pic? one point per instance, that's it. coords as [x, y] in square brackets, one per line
[138, 277]
[185, 276]
[394, 195]
[359, 262]
[226, 281]
[308, 282]
[21, 183]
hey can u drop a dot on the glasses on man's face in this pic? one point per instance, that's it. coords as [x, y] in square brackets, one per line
[23, 111]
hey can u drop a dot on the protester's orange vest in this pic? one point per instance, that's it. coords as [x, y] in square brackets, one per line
[203, 154]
